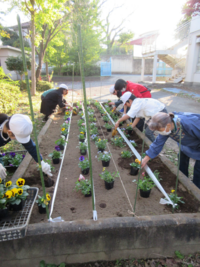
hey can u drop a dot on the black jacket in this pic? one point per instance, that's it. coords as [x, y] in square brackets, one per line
[51, 100]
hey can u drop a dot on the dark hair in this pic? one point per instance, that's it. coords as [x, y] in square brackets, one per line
[132, 97]
[3, 117]
[120, 84]
[119, 93]
[60, 89]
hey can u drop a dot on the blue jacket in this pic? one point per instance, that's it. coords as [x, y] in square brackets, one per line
[30, 147]
[190, 137]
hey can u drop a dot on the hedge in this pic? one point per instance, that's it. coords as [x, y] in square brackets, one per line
[89, 69]
[41, 86]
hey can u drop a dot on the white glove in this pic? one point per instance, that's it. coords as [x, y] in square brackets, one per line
[2, 172]
[46, 168]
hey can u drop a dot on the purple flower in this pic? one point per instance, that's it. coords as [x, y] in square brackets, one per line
[23, 156]
[57, 148]
[11, 165]
[81, 158]
[12, 154]
[68, 119]
[3, 154]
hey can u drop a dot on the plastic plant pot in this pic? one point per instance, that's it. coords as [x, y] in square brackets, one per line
[56, 161]
[134, 171]
[81, 140]
[41, 209]
[109, 186]
[86, 171]
[129, 131]
[83, 152]
[105, 163]
[145, 194]
[4, 213]
[61, 147]
[89, 195]
[109, 130]
[16, 207]
[101, 149]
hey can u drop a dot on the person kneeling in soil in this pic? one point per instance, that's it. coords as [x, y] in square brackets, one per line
[141, 108]
[168, 125]
[19, 127]
[52, 99]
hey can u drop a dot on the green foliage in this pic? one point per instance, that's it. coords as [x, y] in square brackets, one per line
[89, 70]
[61, 142]
[12, 39]
[82, 147]
[84, 186]
[16, 64]
[84, 164]
[9, 96]
[55, 154]
[118, 141]
[108, 176]
[12, 159]
[101, 144]
[105, 156]
[126, 154]
[179, 255]
[108, 126]
[146, 183]
[41, 86]
[175, 199]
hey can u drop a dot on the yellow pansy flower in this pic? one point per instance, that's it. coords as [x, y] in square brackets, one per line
[63, 129]
[66, 113]
[81, 132]
[20, 182]
[8, 194]
[173, 191]
[14, 191]
[20, 191]
[104, 169]
[8, 184]
[122, 152]
[48, 197]
[137, 160]
[0, 180]
[99, 139]
[45, 202]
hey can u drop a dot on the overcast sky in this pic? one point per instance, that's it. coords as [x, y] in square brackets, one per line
[148, 15]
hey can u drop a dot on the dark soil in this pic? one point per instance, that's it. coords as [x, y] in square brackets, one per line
[72, 205]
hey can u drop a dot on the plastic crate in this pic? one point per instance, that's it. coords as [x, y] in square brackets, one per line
[15, 225]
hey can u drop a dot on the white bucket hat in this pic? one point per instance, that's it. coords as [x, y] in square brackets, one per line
[112, 89]
[64, 86]
[21, 126]
[125, 97]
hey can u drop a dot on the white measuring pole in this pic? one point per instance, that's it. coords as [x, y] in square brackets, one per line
[147, 169]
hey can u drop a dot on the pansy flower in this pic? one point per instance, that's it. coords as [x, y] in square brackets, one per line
[20, 182]
[81, 158]
[12, 154]
[48, 197]
[57, 148]
[8, 184]
[8, 194]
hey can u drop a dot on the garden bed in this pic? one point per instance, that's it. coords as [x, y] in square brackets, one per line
[117, 202]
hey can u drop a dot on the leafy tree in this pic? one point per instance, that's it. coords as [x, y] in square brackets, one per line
[191, 8]
[85, 13]
[16, 64]
[13, 39]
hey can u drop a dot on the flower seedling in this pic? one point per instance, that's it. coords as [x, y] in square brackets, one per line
[80, 122]
[81, 136]
[42, 201]
[94, 131]
[145, 183]
[105, 118]
[126, 154]
[94, 137]
[83, 163]
[118, 141]
[60, 142]
[108, 126]
[55, 154]
[129, 127]
[108, 176]
[101, 144]
[83, 185]
[12, 159]
[64, 131]
[175, 199]
[82, 147]
[133, 143]
[136, 164]
[105, 156]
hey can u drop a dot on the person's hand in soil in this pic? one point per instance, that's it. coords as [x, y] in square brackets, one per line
[145, 160]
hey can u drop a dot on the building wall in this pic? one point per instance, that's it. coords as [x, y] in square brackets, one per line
[192, 73]
[6, 52]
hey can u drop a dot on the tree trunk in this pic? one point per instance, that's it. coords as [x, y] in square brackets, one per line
[33, 83]
[41, 57]
[47, 71]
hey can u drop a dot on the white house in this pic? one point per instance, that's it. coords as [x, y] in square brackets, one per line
[193, 57]
[5, 52]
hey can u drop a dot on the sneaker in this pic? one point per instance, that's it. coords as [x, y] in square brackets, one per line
[45, 119]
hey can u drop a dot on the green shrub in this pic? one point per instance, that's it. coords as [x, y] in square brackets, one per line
[89, 69]
[9, 96]
[40, 87]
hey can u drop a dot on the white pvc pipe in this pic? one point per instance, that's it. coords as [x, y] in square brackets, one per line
[58, 177]
[148, 170]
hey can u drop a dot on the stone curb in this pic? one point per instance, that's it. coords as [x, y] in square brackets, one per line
[24, 164]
